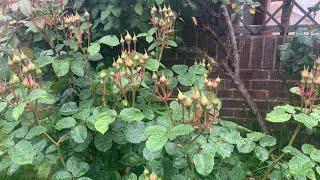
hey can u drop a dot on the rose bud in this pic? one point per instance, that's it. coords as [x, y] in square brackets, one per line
[181, 96]
[204, 101]
[195, 95]
[163, 80]
[154, 76]
[128, 38]
[145, 56]
[102, 74]
[187, 102]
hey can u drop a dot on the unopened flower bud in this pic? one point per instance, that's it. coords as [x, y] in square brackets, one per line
[215, 101]
[119, 60]
[102, 74]
[204, 101]
[129, 63]
[24, 70]
[123, 55]
[10, 62]
[181, 96]
[145, 56]
[38, 71]
[154, 76]
[121, 40]
[23, 56]
[134, 39]
[187, 102]
[146, 172]
[218, 80]
[153, 10]
[86, 14]
[128, 38]
[14, 79]
[195, 95]
[163, 79]
[153, 176]
[304, 74]
[31, 67]
[16, 59]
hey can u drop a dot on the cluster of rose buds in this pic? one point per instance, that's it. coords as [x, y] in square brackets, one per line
[163, 20]
[23, 68]
[204, 102]
[72, 19]
[310, 84]
[129, 66]
[161, 89]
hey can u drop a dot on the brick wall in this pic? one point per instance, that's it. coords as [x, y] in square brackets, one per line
[260, 71]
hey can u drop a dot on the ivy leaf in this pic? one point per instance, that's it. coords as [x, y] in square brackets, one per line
[62, 175]
[278, 116]
[93, 49]
[180, 68]
[25, 7]
[181, 129]
[186, 79]
[149, 38]
[37, 94]
[134, 132]
[152, 65]
[138, 8]
[18, 110]
[61, 67]
[131, 114]
[77, 168]
[35, 131]
[3, 105]
[308, 121]
[22, 153]
[156, 142]
[261, 153]
[103, 142]
[110, 40]
[267, 141]
[300, 164]
[204, 163]
[103, 120]
[79, 134]
[65, 123]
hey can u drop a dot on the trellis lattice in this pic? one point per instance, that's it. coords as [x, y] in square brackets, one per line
[280, 25]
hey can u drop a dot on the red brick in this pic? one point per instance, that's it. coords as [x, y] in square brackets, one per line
[226, 112]
[267, 85]
[224, 93]
[231, 103]
[270, 52]
[257, 52]
[245, 54]
[254, 74]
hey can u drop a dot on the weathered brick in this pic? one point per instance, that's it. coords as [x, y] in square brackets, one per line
[226, 112]
[267, 85]
[270, 52]
[257, 52]
[245, 54]
[224, 93]
[232, 103]
[253, 74]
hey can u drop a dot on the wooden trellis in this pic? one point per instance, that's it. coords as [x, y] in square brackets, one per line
[260, 23]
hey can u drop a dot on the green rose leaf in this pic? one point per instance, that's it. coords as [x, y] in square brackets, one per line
[103, 142]
[156, 130]
[134, 132]
[156, 142]
[138, 8]
[62, 175]
[300, 164]
[65, 123]
[110, 40]
[278, 116]
[18, 110]
[186, 79]
[308, 121]
[181, 129]
[308, 148]
[172, 43]
[76, 167]
[255, 136]
[291, 150]
[69, 108]
[267, 141]
[131, 114]
[22, 153]
[103, 120]
[3, 105]
[93, 49]
[204, 163]
[77, 67]
[35, 131]
[246, 147]
[79, 134]
[152, 65]
[37, 94]
[261, 153]
[61, 67]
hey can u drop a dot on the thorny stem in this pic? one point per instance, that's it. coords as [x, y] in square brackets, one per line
[296, 132]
